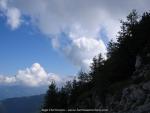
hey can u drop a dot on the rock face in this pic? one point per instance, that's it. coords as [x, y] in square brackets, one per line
[133, 99]
[138, 61]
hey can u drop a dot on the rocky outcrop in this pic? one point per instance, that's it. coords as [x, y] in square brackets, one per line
[132, 98]
[135, 98]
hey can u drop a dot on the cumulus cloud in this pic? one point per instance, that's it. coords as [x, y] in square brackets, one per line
[76, 18]
[33, 77]
[7, 80]
[83, 49]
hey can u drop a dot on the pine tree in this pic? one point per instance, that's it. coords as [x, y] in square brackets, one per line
[51, 98]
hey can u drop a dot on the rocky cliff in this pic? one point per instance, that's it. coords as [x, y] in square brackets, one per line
[130, 96]
[134, 98]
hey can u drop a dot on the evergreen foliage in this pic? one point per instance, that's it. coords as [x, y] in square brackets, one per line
[51, 98]
[132, 40]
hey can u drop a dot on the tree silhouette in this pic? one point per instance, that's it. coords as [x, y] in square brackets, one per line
[51, 98]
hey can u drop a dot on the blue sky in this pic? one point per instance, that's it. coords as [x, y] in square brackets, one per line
[22, 47]
[41, 40]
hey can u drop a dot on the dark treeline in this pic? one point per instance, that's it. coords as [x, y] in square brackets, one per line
[105, 76]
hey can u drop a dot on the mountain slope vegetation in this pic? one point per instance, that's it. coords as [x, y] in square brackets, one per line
[30, 104]
[107, 76]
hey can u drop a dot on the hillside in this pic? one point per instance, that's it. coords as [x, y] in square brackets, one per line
[134, 98]
[30, 104]
[120, 83]
[130, 96]
[20, 91]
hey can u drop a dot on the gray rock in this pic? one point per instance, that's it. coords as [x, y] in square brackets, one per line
[134, 98]
[138, 61]
[143, 108]
[137, 95]
[146, 86]
[148, 55]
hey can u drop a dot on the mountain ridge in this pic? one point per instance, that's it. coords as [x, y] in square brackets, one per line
[28, 104]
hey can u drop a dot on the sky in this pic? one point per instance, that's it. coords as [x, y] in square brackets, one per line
[45, 40]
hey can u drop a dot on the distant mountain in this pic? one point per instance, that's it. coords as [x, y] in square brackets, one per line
[30, 104]
[20, 91]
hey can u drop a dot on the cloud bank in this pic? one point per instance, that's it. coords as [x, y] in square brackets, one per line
[33, 77]
[82, 22]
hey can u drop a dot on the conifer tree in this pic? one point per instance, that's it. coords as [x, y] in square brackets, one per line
[51, 98]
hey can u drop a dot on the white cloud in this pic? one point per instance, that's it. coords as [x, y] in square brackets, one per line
[3, 4]
[55, 43]
[12, 13]
[33, 77]
[83, 49]
[7, 80]
[77, 18]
